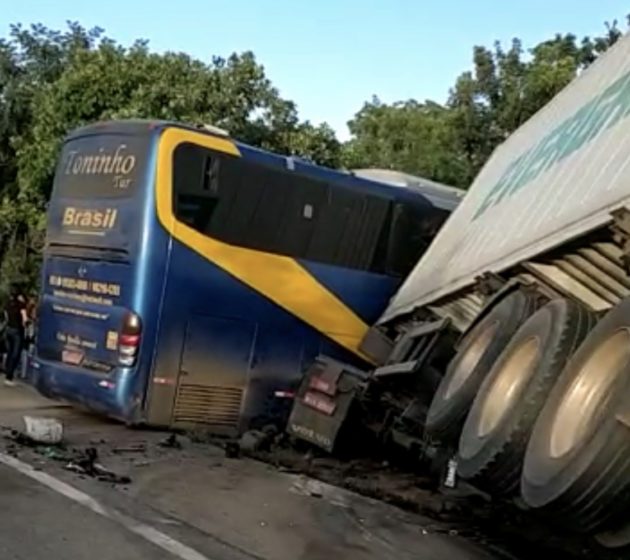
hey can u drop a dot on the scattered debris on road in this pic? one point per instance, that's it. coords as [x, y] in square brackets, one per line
[55, 453]
[253, 440]
[250, 443]
[171, 442]
[43, 430]
[232, 450]
[459, 512]
[86, 464]
[140, 447]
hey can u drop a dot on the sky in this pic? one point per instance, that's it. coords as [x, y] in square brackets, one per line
[330, 56]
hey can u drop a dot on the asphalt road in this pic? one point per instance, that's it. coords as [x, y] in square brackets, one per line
[222, 509]
[39, 524]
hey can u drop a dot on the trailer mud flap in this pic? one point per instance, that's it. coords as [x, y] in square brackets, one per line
[324, 401]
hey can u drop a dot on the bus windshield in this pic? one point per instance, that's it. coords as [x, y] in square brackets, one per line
[96, 191]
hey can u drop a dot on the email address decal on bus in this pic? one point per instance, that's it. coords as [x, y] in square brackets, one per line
[80, 312]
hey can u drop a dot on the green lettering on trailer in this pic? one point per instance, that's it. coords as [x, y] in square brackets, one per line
[598, 115]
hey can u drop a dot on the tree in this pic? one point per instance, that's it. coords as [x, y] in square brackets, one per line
[111, 82]
[451, 143]
[407, 136]
[53, 81]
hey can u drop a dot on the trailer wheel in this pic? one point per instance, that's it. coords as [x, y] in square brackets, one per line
[495, 435]
[465, 373]
[577, 459]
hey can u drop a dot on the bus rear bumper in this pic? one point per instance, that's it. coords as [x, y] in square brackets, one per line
[98, 393]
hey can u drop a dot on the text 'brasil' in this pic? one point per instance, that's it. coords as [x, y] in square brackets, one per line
[87, 218]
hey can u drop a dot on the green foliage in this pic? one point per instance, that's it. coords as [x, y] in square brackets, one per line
[53, 81]
[451, 143]
[407, 136]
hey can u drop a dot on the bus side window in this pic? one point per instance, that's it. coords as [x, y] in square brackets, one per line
[241, 197]
[195, 185]
[211, 174]
[412, 231]
[305, 202]
[347, 229]
[265, 226]
[381, 249]
[329, 225]
[365, 233]
[244, 203]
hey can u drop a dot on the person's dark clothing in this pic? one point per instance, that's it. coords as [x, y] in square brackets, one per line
[14, 314]
[14, 336]
[15, 343]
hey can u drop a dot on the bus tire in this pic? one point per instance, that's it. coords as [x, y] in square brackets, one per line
[576, 463]
[465, 373]
[497, 429]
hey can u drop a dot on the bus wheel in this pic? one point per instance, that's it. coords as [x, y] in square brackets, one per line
[480, 348]
[495, 435]
[576, 463]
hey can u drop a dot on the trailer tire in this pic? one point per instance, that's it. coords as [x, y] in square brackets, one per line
[496, 432]
[576, 463]
[465, 373]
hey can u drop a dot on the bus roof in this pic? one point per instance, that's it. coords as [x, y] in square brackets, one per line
[418, 189]
[440, 195]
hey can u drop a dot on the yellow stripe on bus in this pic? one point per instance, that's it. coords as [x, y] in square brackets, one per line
[281, 279]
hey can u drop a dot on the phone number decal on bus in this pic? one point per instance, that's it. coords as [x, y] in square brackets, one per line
[101, 288]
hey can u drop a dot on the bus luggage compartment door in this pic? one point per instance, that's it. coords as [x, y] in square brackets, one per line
[213, 374]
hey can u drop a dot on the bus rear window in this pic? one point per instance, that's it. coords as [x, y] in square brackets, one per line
[102, 165]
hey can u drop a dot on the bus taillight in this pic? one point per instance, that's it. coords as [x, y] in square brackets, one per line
[129, 340]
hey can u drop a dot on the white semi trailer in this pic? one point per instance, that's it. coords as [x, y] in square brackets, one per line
[508, 346]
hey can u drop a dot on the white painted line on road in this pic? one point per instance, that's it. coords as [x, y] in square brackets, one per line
[171, 545]
[54, 484]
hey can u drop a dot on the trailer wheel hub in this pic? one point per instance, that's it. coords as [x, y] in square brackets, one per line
[469, 359]
[508, 384]
[588, 394]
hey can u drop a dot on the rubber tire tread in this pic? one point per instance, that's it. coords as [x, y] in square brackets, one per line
[445, 418]
[500, 472]
[601, 488]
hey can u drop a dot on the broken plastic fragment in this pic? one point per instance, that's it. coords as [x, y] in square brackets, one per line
[43, 430]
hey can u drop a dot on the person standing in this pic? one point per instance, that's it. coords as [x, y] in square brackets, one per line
[16, 322]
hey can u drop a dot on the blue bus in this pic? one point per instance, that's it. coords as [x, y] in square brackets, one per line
[189, 279]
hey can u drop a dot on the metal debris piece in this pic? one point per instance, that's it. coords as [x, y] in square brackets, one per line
[86, 464]
[232, 450]
[139, 447]
[252, 440]
[171, 442]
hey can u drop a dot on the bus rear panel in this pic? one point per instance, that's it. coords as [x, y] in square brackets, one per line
[89, 331]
